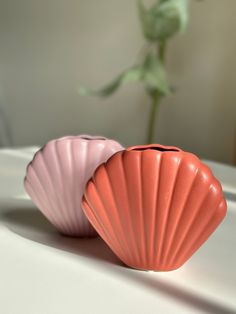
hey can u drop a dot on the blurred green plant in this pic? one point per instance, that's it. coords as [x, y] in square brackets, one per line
[160, 22]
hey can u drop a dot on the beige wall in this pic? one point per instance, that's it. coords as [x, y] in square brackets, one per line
[49, 47]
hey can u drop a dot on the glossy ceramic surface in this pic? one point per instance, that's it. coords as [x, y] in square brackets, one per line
[154, 205]
[57, 175]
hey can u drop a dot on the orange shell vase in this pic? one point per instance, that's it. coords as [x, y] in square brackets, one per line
[154, 205]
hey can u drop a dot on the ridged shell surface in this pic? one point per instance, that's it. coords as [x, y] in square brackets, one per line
[154, 205]
[56, 178]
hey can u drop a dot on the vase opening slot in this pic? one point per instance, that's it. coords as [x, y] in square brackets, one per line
[161, 149]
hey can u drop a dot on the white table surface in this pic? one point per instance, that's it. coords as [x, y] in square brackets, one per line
[42, 272]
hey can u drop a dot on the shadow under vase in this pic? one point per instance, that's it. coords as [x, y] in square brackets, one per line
[32, 225]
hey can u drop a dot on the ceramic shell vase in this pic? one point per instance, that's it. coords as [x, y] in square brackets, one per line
[57, 175]
[154, 205]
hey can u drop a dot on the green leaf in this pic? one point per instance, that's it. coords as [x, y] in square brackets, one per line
[175, 12]
[154, 75]
[164, 19]
[151, 72]
[146, 20]
[132, 74]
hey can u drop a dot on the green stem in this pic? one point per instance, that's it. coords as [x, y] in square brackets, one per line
[155, 98]
[162, 51]
[153, 117]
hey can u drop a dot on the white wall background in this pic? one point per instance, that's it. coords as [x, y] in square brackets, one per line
[49, 47]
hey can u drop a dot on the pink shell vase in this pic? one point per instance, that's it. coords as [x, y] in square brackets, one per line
[56, 178]
[154, 205]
